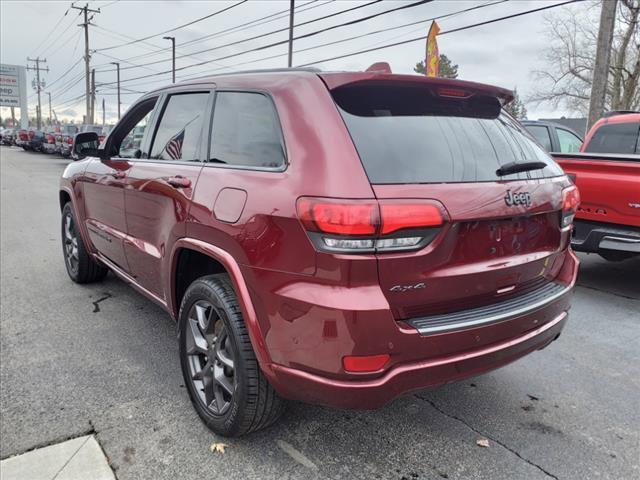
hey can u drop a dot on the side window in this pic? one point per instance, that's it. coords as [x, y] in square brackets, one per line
[132, 142]
[246, 131]
[568, 141]
[178, 134]
[541, 133]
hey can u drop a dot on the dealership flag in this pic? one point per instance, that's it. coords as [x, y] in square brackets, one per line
[433, 56]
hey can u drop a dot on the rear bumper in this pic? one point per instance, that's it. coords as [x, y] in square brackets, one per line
[594, 237]
[369, 394]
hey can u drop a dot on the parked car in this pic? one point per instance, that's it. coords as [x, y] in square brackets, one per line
[406, 234]
[607, 173]
[9, 136]
[64, 140]
[554, 137]
[30, 140]
[49, 142]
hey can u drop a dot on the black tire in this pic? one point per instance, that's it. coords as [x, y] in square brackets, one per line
[252, 404]
[81, 267]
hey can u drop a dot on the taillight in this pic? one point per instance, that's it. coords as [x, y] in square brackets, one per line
[51, 139]
[31, 134]
[70, 141]
[365, 226]
[570, 202]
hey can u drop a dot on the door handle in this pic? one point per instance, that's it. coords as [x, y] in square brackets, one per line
[179, 182]
[118, 174]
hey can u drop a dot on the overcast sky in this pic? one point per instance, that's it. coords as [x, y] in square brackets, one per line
[503, 53]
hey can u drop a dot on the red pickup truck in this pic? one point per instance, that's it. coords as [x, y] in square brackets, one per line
[607, 173]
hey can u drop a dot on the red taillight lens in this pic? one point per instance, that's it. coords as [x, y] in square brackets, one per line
[51, 139]
[70, 141]
[399, 216]
[31, 134]
[340, 218]
[365, 226]
[570, 203]
[370, 363]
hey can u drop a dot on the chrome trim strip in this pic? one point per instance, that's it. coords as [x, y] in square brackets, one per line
[624, 244]
[482, 321]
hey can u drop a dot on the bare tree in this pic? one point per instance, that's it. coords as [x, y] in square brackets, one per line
[570, 59]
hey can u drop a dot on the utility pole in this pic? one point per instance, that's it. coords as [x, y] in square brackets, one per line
[291, 8]
[13, 117]
[603, 56]
[173, 57]
[103, 114]
[87, 57]
[118, 70]
[93, 97]
[38, 85]
[50, 119]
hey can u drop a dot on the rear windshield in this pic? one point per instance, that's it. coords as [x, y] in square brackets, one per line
[406, 134]
[619, 138]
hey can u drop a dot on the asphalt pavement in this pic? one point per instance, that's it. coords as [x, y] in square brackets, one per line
[102, 360]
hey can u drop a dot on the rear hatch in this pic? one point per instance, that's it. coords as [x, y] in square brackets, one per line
[442, 143]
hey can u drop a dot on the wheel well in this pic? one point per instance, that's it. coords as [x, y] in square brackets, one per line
[64, 199]
[191, 266]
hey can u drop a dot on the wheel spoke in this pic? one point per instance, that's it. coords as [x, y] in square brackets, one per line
[196, 343]
[224, 358]
[221, 379]
[220, 403]
[203, 314]
[208, 385]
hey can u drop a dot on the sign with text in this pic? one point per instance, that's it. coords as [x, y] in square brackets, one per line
[13, 88]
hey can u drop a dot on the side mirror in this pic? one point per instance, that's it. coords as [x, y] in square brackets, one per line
[86, 144]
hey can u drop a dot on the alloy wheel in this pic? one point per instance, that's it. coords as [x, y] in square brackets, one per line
[71, 243]
[211, 358]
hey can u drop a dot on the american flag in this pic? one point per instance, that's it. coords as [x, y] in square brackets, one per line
[174, 146]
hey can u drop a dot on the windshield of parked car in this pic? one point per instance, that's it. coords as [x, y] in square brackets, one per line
[407, 134]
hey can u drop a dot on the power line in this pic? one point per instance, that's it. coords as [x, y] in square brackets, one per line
[176, 28]
[52, 30]
[314, 47]
[440, 34]
[52, 43]
[306, 35]
[243, 26]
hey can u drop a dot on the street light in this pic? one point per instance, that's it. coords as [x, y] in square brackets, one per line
[173, 56]
[118, 70]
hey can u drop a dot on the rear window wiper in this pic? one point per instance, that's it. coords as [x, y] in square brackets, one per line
[516, 167]
[216, 160]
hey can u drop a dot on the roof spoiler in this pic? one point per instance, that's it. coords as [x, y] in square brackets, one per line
[335, 80]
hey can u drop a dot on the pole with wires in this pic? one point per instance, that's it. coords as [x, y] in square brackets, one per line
[50, 118]
[38, 85]
[93, 97]
[291, 8]
[87, 57]
[117, 64]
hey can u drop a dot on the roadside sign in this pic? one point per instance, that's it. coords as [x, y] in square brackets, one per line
[13, 89]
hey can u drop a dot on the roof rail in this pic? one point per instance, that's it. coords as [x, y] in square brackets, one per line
[619, 112]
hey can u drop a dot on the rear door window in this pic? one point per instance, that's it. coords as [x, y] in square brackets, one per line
[569, 143]
[407, 134]
[246, 131]
[541, 133]
[179, 131]
[618, 138]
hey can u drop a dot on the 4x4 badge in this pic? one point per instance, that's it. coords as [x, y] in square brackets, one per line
[406, 288]
[521, 198]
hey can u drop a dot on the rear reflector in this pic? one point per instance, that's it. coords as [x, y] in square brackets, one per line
[371, 363]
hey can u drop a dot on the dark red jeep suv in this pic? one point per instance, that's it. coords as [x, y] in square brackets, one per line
[333, 238]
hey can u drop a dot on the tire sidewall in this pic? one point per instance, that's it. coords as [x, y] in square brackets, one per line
[229, 423]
